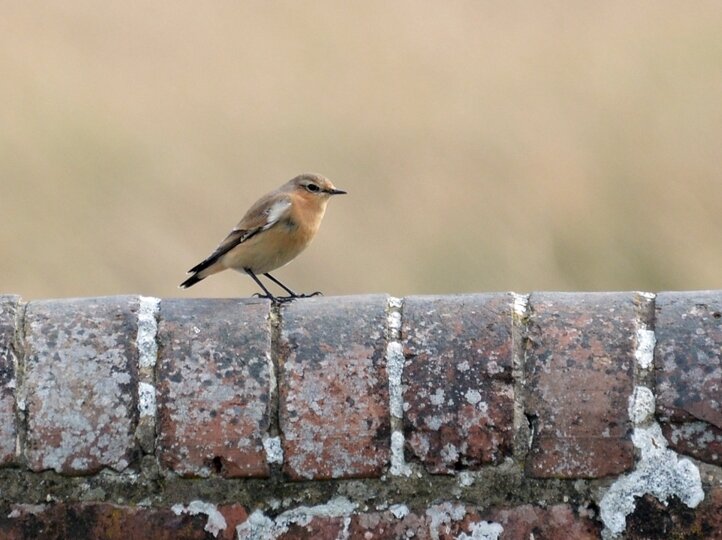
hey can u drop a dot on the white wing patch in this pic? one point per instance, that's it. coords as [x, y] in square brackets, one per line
[276, 212]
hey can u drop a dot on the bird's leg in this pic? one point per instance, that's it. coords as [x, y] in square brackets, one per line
[289, 291]
[258, 281]
[291, 294]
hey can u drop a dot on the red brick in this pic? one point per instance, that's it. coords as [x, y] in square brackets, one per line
[334, 411]
[689, 372]
[557, 522]
[579, 375]
[697, 439]
[387, 526]
[450, 521]
[103, 521]
[214, 386]
[8, 313]
[81, 373]
[458, 393]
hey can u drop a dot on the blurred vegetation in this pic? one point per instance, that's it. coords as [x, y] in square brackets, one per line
[485, 145]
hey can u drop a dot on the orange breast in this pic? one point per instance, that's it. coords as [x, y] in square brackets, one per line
[280, 244]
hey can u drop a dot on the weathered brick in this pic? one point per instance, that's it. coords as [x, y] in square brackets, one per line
[688, 366]
[457, 387]
[334, 411]
[8, 314]
[697, 439]
[81, 383]
[556, 522]
[214, 386]
[579, 375]
[316, 528]
[390, 524]
[447, 521]
[103, 521]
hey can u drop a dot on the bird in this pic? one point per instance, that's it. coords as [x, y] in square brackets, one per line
[273, 232]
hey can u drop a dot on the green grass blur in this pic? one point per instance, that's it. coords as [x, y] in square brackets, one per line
[485, 145]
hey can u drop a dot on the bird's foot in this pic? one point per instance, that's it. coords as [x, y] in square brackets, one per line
[310, 295]
[278, 300]
[292, 297]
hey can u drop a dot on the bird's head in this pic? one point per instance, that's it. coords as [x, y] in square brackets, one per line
[311, 186]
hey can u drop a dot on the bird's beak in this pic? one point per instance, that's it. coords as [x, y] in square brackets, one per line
[335, 191]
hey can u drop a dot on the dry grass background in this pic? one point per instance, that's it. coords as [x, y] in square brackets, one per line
[485, 145]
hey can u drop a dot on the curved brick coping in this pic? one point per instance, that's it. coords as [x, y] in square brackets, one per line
[551, 395]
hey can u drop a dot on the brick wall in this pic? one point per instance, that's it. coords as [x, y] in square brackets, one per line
[550, 415]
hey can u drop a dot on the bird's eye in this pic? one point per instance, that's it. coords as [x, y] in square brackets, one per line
[313, 188]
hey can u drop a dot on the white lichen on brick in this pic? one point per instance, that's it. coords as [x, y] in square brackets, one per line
[19, 510]
[466, 479]
[644, 353]
[641, 405]
[147, 330]
[394, 305]
[394, 317]
[442, 515]
[399, 511]
[258, 526]
[520, 304]
[394, 358]
[659, 472]
[395, 369]
[482, 530]
[146, 400]
[450, 453]
[216, 522]
[274, 450]
[522, 427]
[399, 466]
[96, 428]
[473, 396]
[695, 435]
[437, 398]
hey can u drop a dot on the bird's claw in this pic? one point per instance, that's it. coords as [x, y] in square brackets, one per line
[286, 299]
[304, 295]
[278, 300]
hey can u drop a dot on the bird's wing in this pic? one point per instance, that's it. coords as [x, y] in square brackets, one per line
[260, 217]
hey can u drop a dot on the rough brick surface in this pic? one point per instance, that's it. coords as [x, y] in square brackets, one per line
[556, 522]
[102, 521]
[334, 412]
[214, 386]
[455, 521]
[688, 361]
[8, 313]
[457, 387]
[398, 524]
[579, 376]
[316, 528]
[210, 396]
[81, 383]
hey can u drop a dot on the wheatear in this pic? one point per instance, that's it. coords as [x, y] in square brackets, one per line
[272, 233]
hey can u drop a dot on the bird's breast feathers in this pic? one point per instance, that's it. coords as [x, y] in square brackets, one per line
[290, 225]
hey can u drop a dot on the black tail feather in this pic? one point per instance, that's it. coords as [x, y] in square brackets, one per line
[195, 278]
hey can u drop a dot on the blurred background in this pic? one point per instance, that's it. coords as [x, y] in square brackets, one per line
[486, 146]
